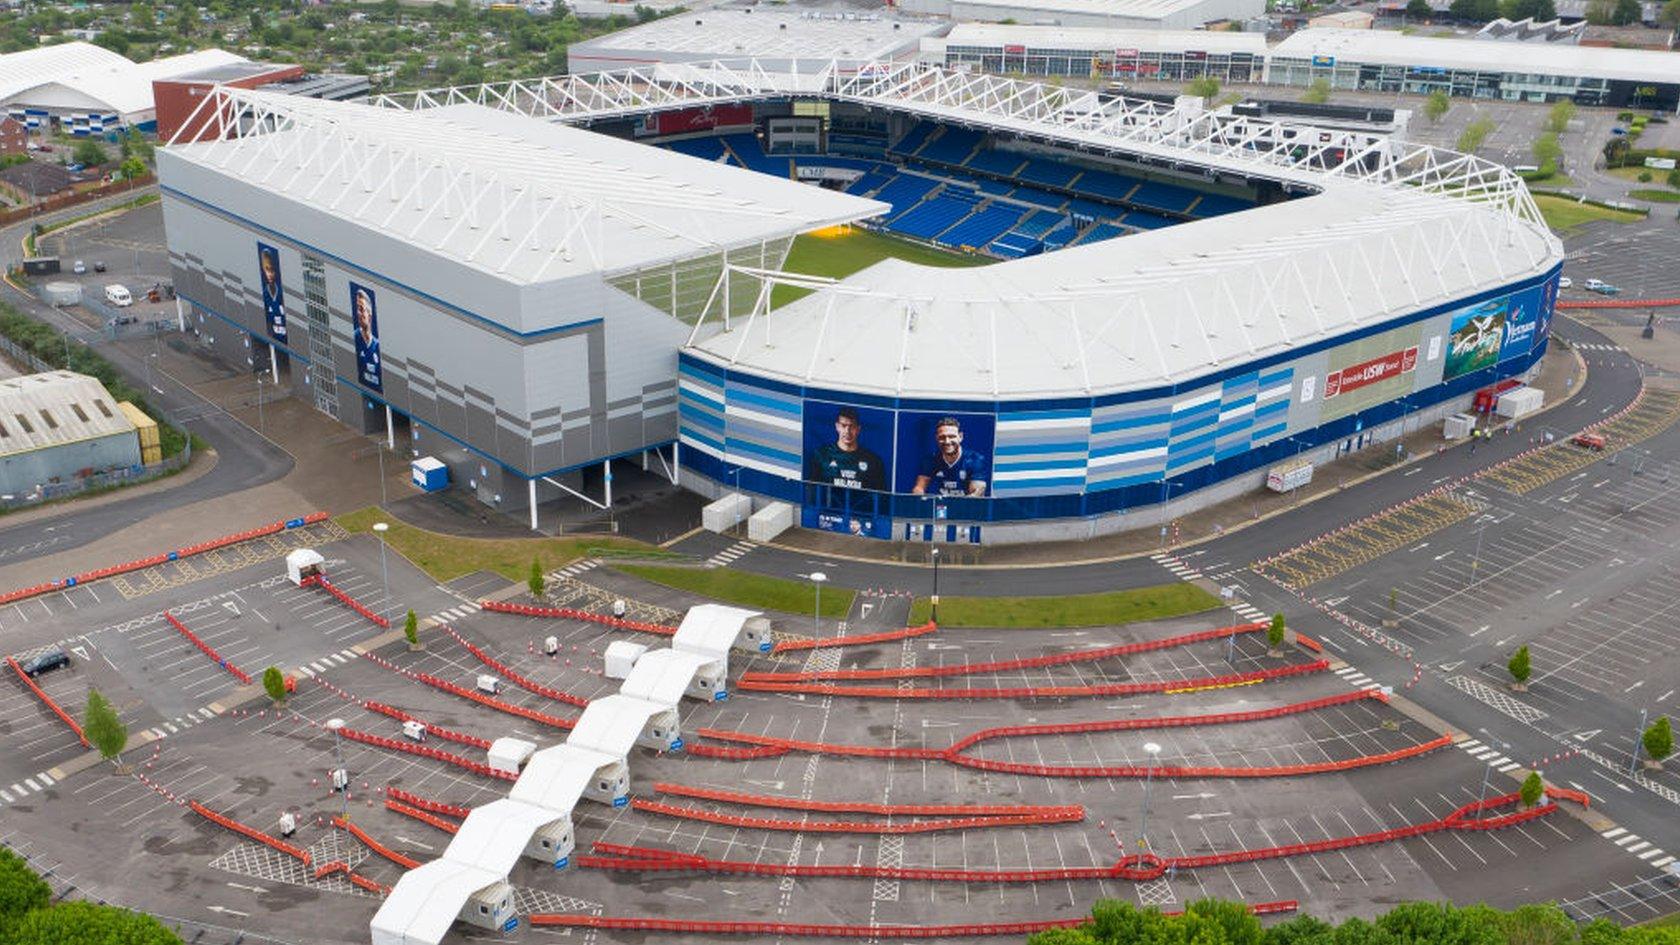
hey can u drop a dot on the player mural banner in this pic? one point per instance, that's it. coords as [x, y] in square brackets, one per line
[1475, 339]
[945, 454]
[848, 460]
[364, 315]
[273, 291]
[1359, 375]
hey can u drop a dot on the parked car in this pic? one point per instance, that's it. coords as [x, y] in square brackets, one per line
[1590, 441]
[80, 268]
[1564, 282]
[98, 265]
[119, 296]
[1602, 287]
[45, 661]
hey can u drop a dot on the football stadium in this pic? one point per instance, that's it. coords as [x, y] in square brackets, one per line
[911, 302]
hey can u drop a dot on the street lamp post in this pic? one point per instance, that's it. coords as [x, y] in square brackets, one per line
[935, 613]
[379, 528]
[336, 725]
[817, 579]
[1636, 742]
[1154, 752]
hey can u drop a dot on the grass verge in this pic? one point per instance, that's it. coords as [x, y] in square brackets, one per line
[1656, 196]
[1080, 610]
[1562, 214]
[745, 589]
[839, 252]
[447, 557]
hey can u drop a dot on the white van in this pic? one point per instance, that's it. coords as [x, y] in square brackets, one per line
[118, 295]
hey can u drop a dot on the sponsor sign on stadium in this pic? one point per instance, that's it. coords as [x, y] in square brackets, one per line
[1370, 372]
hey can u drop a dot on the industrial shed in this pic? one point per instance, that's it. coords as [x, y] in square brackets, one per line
[84, 89]
[58, 427]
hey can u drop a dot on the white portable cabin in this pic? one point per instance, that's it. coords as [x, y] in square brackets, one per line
[715, 629]
[557, 776]
[621, 657]
[303, 563]
[509, 754]
[428, 899]
[616, 723]
[494, 836]
[665, 676]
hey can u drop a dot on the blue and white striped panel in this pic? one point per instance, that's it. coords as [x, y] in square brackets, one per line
[1195, 424]
[1271, 406]
[762, 429]
[1128, 445]
[700, 412]
[1236, 415]
[1041, 452]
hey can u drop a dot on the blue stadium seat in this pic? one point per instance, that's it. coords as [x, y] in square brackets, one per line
[1041, 197]
[1161, 196]
[1038, 223]
[1213, 205]
[983, 226]
[858, 145]
[1106, 184]
[904, 190]
[1090, 208]
[745, 147]
[867, 184]
[1144, 220]
[1102, 231]
[830, 160]
[914, 138]
[1060, 236]
[996, 188]
[931, 217]
[952, 147]
[1014, 245]
[1050, 173]
[1005, 163]
[710, 149]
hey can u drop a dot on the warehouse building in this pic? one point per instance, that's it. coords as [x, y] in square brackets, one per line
[59, 427]
[83, 89]
[1164, 55]
[1113, 14]
[780, 40]
[178, 97]
[1383, 61]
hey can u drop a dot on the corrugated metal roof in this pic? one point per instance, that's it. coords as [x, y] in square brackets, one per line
[118, 83]
[42, 410]
[1101, 38]
[1386, 47]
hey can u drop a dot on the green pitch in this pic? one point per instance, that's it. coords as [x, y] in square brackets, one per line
[838, 253]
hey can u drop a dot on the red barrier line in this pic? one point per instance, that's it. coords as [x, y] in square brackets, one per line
[421, 816]
[567, 613]
[1177, 771]
[514, 677]
[207, 649]
[1027, 662]
[1059, 728]
[460, 738]
[853, 826]
[405, 862]
[391, 744]
[812, 930]
[222, 820]
[862, 807]
[478, 697]
[320, 580]
[1033, 692]
[48, 700]
[731, 754]
[886, 636]
[436, 807]
[369, 884]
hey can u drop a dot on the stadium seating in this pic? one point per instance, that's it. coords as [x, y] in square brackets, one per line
[914, 138]
[983, 226]
[953, 146]
[1100, 232]
[1041, 197]
[1038, 223]
[858, 145]
[710, 149]
[904, 190]
[1014, 245]
[1159, 196]
[868, 183]
[1107, 184]
[1213, 205]
[1002, 163]
[932, 216]
[745, 147]
[1049, 173]
[1144, 220]
[1060, 236]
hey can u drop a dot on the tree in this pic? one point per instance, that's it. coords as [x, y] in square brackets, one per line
[536, 582]
[1479, 11]
[1673, 178]
[103, 729]
[1532, 789]
[1626, 12]
[1520, 668]
[1558, 118]
[132, 168]
[1670, 14]
[1435, 107]
[1474, 134]
[21, 890]
[87, 923]
[1442, 923]
[1419, 9]
[1204, 87]
[1538, 924]
[411, 628]
[1318, 92]
[1659, 740]
[89, 153]
[1274, 635]
[274, 683]
[1600, 12]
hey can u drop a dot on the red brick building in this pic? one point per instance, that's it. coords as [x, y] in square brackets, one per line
[14, 137]
[177, 99]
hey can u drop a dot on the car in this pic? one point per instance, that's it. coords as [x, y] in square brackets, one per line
[1601, 287]
[1590, 441]
[45, 661]
[98, 265]
[80, 268]
[1564, 282]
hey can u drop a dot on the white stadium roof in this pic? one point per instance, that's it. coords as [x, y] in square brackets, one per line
[82, 75]
[527, 200]
[1097, 38]
[758, 32]
[1386, 47]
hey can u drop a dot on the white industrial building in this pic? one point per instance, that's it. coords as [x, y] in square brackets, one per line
[780, 40]
[1104, 52]
[85, 89]
[57, 426]
[1132, 14]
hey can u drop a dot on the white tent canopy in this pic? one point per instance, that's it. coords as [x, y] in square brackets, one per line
[713, 630]
[663, 676]
[556, 777]
[493, 836]
[425, 902]
[614, 724]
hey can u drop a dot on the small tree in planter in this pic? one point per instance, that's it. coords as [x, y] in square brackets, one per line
[274, 683]
[1520, 669]
[1532, 789]
[411, 630]
[1393, 618]
[536, 582]
[1274, 636]
[104, 730]
[1658, 741]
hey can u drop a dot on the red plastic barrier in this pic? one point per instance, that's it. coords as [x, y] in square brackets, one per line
[474, 695]
[732, 754]
[421, 816]
[436, 807]
[406, 862]
[567, 613]
[320, 580]
[1619, 303]
[228, 822]
[1207, 771]
[411, 748]
[885, 636]
[854, 826]
[207, 649]
[1027, 662]
[1309, 642]
[768, 930]
[48, 700]
[865, 807]
[460, 738]
[369, 885]
[1035, 692]
[327, 869]
[508, 673]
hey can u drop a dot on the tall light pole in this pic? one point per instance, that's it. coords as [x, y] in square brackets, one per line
[817, 579]
[1154, 752]
[335, 725]
[1637, 736]
[935, 614]
[379, 528]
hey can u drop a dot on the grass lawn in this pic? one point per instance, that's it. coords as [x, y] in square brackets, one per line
[447, 557]
[839, 252]
[1656, 196]
[1672, 919]
[745, 589]
[1083, 610]
[1562, 214]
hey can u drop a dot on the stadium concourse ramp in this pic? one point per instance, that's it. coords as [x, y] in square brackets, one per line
[469, 882]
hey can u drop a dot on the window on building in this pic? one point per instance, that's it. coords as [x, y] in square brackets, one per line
[23, 422]
[48, 418]
[3, 431]
[80, 413]
[102, 408]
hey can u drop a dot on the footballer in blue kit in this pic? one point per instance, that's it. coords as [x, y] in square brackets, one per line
[952, 471]
[845, 462]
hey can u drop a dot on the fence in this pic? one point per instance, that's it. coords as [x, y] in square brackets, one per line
[60, 201]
